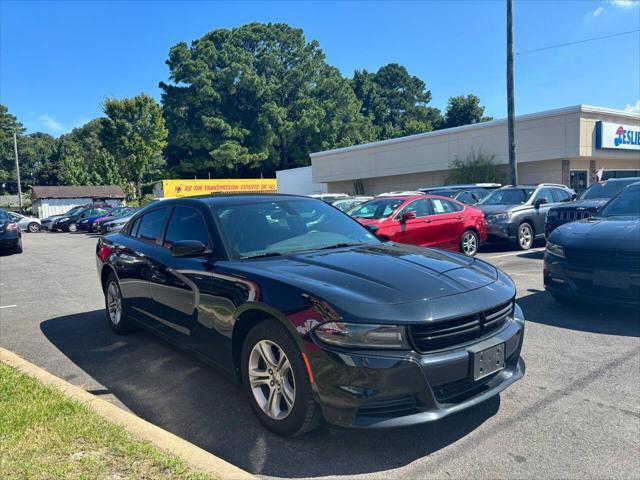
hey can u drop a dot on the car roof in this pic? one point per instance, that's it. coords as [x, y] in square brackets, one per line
[624, 179]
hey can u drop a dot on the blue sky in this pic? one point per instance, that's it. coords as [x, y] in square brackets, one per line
[59, 60]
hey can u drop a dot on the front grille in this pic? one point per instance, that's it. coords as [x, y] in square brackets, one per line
[389, 407]
[460, 390]
[438, 335]
[603, 259]
[571, 215]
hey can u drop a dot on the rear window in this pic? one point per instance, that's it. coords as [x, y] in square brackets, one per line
[151, 225]
[444, 206]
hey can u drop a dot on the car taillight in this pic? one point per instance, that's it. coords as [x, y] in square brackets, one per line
[104, 251]
[12, 226]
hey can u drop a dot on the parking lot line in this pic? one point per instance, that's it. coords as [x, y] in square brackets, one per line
[518, 253]
[8, 306]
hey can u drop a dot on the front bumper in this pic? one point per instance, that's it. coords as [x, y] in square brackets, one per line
[393, 389]
[564, 280]
[501, 232]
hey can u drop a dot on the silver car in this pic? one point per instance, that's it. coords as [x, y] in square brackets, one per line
[28, 224]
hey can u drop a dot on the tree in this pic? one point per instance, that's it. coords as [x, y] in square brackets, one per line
[254, 99]
[38, 158]
[463, 110]
[134, 134]
[72, 163]
[395, 102]
[9, 125]
[475, 168]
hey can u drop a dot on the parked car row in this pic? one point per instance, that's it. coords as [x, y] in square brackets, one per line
[92, 218]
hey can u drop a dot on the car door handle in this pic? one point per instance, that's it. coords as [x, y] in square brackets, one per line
[427, 221]
[459, 217]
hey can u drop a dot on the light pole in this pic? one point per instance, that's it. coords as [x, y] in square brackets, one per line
[513, 169]
[15, 150]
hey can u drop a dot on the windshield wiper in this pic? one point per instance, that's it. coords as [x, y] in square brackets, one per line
[339, 245]
[262, 255]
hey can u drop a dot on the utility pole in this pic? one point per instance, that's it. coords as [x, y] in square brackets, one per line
[513, 168]
[15, 150]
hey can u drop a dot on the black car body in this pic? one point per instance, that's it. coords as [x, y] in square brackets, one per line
[380, 334]
[586, 204]
[10, 235]
[598, 259]
[516, 213]
[70, 223]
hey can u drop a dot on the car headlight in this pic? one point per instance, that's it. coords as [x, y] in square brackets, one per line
[498, 217]
[557, 250]
[358, 335]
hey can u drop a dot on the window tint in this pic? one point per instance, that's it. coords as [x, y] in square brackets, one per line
[186, 224]
[560, 195]
[151, 225]
[544, 193]
[419, 207]
[466, 197]
[444, 206]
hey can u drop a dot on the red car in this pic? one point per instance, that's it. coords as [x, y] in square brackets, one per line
[425, 220]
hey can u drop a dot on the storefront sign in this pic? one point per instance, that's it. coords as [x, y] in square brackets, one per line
[190, 188]
[616, 136]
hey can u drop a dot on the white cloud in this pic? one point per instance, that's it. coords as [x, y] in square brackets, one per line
[633, 108]
[51, 123]
[624, 3]
[596, 13]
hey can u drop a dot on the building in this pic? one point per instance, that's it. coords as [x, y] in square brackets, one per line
[47, 201]
[567, 145]
[298, 181]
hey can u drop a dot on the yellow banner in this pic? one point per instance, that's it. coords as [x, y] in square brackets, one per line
[190, 188]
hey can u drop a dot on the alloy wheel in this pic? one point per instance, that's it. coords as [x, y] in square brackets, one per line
[271, 379]
[114, 303]
[525, 237]
[33, 227]
[73, 227]
[469, 244]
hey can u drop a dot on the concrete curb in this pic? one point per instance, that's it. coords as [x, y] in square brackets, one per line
[194, 456]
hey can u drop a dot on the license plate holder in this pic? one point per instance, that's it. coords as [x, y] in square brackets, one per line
[487, 360]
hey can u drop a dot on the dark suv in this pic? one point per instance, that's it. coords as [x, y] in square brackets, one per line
[516, 213]
[586, 204]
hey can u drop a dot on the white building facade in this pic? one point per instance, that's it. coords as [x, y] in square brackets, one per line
[567, 145]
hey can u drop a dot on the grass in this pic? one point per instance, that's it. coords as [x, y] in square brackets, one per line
[45, 435]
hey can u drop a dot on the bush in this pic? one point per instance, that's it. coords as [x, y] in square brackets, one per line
[476, 168]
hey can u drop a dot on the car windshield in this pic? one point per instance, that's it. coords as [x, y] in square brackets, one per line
[508, 196]
[377, 209]
[75, 210]
[280, 227]
[603, 190]
[625, 204]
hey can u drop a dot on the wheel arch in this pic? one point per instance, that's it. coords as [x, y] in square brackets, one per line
[247, 317]
[104, 275]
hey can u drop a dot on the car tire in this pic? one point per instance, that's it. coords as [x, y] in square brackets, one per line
[33, 227]
[284, 380]
[469, 243]
[114, 307]
[525, 236]
[72, 227]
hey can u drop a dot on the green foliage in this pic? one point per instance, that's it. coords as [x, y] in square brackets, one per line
[395, 102]
[464, 111]
[254, 99]
[134, 133]
[8, 125]
[475, 168]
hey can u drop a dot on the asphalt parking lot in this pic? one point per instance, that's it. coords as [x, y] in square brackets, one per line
[576, 414]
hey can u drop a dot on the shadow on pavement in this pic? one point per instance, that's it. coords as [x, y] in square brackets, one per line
[540, 307]
[182, 395]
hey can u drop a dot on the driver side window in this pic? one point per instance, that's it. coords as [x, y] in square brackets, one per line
[419, 207]
[544, 193]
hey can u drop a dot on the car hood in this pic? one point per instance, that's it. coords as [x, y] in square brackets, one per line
[591, 233]
[384, 274]
[582, 205]
[117, 220]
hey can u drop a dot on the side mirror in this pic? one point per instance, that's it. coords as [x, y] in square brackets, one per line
[408, 216]
[188, 248]
[541, 201]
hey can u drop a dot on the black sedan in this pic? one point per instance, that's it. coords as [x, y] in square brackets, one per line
[598, 259]
[69, 223]
[10, 235]
[314, 315]
[586, 204]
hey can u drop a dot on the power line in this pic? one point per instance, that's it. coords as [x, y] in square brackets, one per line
[578, 41]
